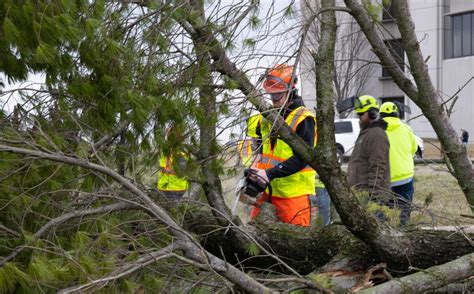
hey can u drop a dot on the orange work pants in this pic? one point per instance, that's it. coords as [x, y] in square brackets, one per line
[295, 211]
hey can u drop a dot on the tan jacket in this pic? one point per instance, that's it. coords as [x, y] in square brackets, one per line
[369, 167]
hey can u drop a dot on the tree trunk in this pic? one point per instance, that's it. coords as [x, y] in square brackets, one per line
[208, 147]
[207, 124]
[389, 244]
[429, 279]
[308, 249]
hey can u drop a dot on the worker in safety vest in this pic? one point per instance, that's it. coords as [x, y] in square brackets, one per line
[169, 183]
[403, 147]
[290, 178]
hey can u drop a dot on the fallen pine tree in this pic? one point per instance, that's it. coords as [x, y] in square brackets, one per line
[331, 252]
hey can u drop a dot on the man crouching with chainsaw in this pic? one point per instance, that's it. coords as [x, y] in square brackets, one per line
[289, 179]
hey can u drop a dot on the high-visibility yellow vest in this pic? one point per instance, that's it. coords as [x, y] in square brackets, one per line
[245, 152]
[252, 125]
[403, 147]
[300, 183]
[167, 178]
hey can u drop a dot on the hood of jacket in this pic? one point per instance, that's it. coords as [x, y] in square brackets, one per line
[392, 123]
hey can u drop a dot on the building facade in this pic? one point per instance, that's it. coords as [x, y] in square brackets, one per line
[445, 30]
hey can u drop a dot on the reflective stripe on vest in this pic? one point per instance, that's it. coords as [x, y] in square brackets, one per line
[268, 161]
[167, 178]
[295, 185]
[245, 150]
[296, 117]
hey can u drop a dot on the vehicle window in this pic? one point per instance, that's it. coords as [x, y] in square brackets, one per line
[343, 127]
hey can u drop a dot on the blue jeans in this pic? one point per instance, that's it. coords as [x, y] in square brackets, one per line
[404, 198]
[323, 202]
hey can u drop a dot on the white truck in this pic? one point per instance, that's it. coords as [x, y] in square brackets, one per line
[347, 131]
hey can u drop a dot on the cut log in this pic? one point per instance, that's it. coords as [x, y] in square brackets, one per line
[308, 249]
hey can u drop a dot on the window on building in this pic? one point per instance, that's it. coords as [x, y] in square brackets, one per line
[457, 36]
[396, 48]
[400, 99]
[462, 35]
[388, 13]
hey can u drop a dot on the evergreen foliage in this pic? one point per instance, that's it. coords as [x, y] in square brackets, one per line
[117, 76]
[121, 73]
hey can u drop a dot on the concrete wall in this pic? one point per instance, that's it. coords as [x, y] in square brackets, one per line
[460, 5]
[428, 18]
[460, 71]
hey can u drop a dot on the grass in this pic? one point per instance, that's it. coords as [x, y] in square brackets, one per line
[438, 199]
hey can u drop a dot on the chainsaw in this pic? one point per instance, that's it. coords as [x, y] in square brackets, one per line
[248, 188]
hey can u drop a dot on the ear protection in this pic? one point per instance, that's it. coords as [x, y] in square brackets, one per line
[373, 113]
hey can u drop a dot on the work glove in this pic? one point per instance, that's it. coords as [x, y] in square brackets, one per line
[260, 176]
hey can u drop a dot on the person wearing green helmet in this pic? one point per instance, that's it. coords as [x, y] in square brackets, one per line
[403, 147]
[369, 167]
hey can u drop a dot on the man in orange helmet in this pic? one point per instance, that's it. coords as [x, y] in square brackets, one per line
[290, 178]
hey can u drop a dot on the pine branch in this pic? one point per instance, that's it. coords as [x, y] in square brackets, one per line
[192, 248]
[140, 263]
[10, 231]
[64, 218]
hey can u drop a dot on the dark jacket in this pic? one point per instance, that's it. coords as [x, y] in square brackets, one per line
[369, 167]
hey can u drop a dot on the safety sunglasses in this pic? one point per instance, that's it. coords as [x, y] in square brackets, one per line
[275, 85]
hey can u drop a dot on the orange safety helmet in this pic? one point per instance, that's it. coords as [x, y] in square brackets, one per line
[279, 79]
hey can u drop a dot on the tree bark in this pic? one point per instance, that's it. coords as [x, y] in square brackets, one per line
[207, 123]
[208, 147]
[429, 279]
[390, 245]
